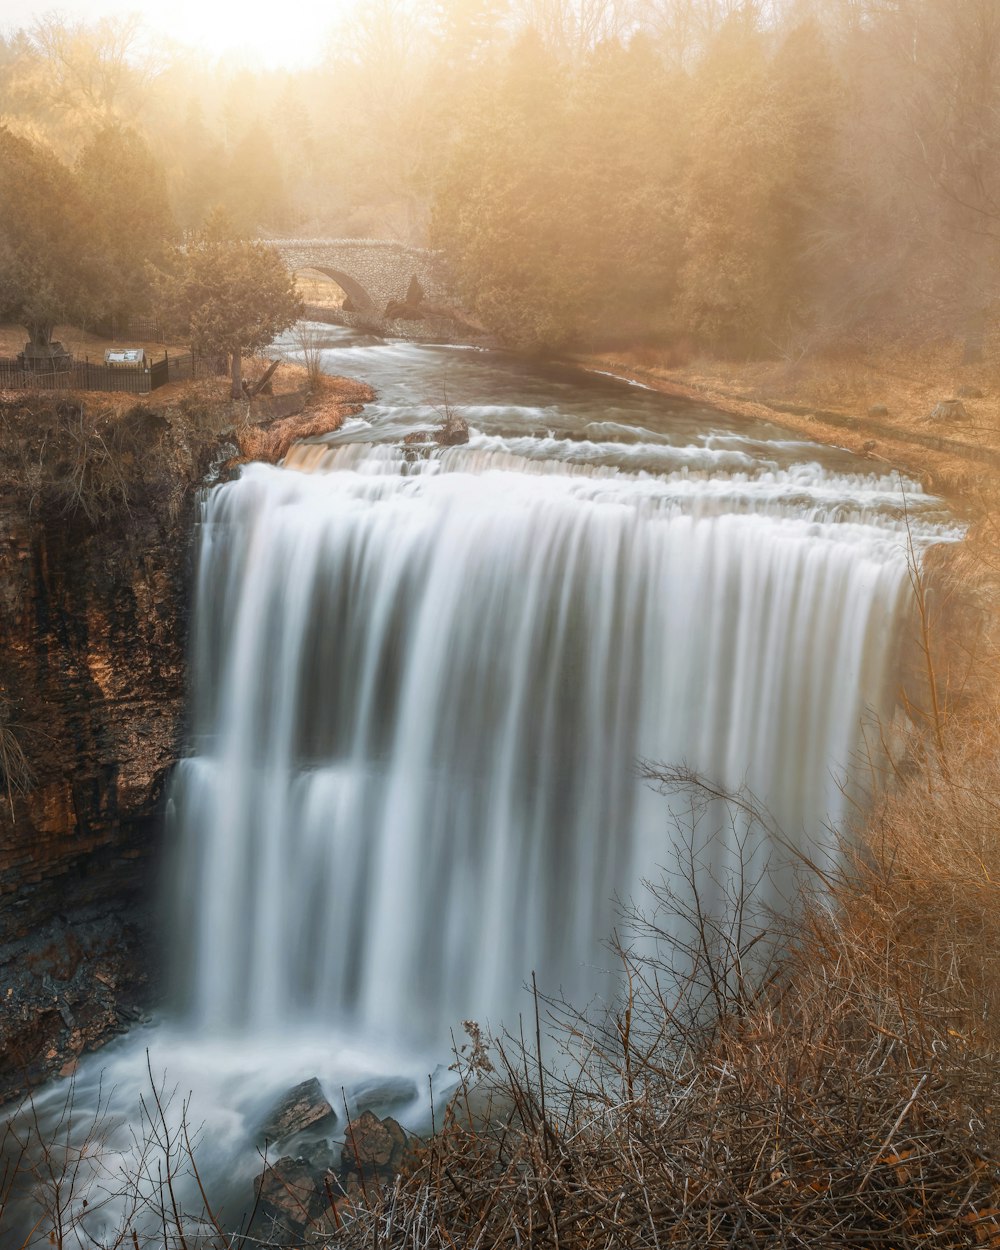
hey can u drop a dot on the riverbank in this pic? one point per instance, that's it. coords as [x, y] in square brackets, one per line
[878, 404]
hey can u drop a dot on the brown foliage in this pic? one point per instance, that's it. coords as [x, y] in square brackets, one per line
[338, 399]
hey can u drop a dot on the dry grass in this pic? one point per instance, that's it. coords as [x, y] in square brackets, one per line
[74, 457]
[310, 343]
[332, 400]
[16, 773]
[835, 391]
[81, 343]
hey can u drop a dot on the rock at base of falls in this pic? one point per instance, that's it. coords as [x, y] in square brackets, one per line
[302, 1107]
[382, 1094]
[294, 1195]
[375, 1149]
[288, 1196]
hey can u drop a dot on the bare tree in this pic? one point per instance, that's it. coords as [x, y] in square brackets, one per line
[99, 68]
[683, 28]
[571, 28]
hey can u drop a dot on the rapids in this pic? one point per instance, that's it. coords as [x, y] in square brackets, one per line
[421, 682]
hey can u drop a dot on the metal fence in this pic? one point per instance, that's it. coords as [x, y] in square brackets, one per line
[182, 366]
[137, 329]
[87, 375]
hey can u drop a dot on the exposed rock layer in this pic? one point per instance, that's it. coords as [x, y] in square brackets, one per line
[97, 510]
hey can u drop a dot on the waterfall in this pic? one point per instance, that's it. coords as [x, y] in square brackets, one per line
[422, 683]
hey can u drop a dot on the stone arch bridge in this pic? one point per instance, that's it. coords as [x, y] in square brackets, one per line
[373, 273]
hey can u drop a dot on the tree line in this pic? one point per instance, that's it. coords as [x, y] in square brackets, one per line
[760, 176]
[767, 180]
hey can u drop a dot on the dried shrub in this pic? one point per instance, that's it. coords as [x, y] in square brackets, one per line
[831, 1102]
[16, 773]
[310, 344]
[830, 1081]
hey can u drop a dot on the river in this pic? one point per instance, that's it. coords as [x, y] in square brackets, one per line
[422, 681]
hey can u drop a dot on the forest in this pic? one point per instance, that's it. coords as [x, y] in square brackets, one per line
[763, 178]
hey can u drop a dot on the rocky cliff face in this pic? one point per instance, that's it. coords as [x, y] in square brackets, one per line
[97, 513]
[92, 600]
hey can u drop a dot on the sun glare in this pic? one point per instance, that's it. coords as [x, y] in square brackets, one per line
[255, 32]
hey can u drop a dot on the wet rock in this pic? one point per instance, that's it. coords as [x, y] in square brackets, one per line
[306, 1196]
[290, 1197]
[379, 1094]
[300, 1108]
[949, 410]
[322, 1155]
[878, 410]
[375, 1149]
[453, 431]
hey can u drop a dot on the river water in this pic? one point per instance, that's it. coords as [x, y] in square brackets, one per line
[422, 679]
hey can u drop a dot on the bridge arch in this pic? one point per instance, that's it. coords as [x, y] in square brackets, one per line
[352, 288]
[372, 273]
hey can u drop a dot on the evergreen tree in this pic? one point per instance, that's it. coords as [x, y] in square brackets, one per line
[229, 294]
[127, 194]
[51, 261]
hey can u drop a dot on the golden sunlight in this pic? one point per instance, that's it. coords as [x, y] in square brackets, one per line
[255, 32]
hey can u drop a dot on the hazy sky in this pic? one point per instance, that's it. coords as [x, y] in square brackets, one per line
[262, 31]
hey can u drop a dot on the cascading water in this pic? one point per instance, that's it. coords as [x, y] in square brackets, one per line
[421, 683]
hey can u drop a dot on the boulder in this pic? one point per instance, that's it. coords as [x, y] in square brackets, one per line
[374, 1149]
[453, 430]
[300, 1108]
[381, 1093]
[949, 410]
[878, 410]
[289, 1194]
